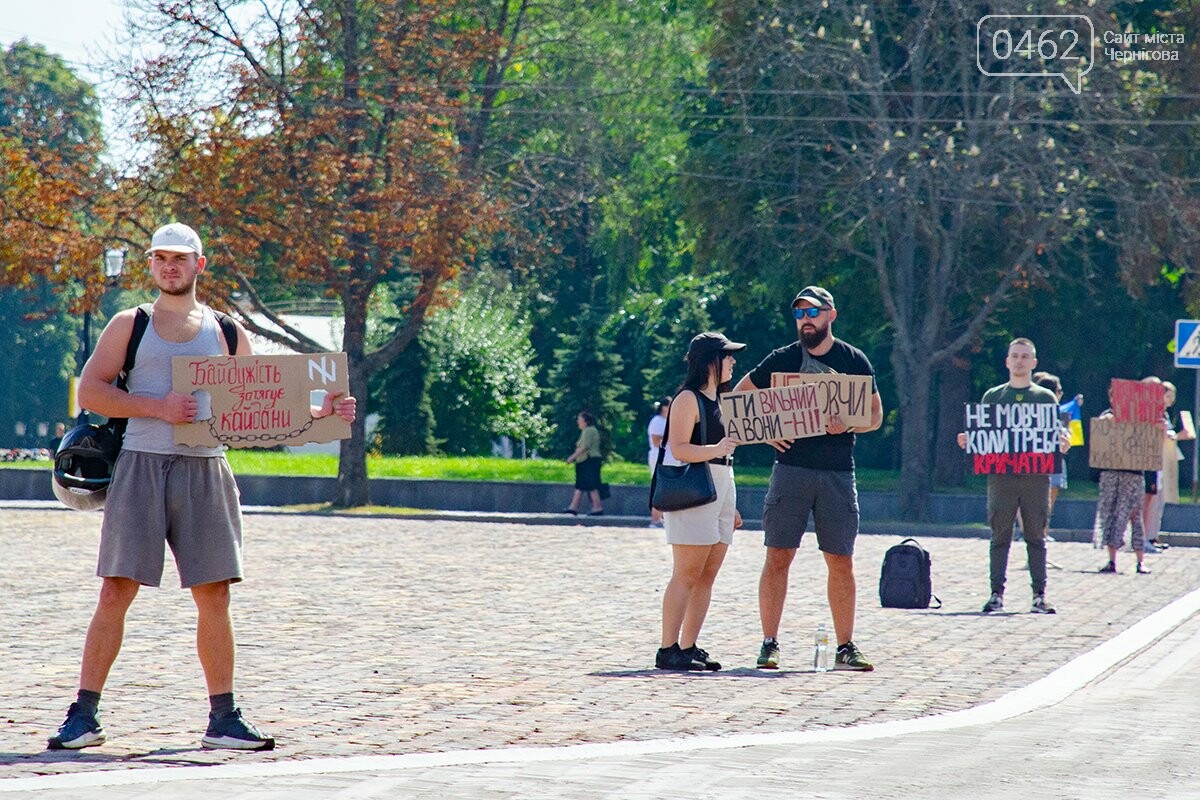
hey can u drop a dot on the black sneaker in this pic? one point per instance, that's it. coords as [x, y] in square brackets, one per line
[79, 729]
[231, 732]
[673, 658]
[849, 657]
[1109, 568]
[768, 654]
[702, 655]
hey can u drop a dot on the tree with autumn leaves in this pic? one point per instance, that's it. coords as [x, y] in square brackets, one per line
[53, 195]
[320, 152]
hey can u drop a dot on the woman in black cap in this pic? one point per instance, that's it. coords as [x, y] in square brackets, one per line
[699, 537]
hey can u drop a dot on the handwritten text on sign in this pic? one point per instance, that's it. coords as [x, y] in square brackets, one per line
[1122, 445]
[773, 415]
[259, 401]
[848, 396]
[1013, 438]
[1134, 401]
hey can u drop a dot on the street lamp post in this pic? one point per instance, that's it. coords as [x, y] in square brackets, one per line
[114, 266]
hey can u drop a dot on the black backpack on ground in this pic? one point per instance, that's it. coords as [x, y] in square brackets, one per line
[904, 581]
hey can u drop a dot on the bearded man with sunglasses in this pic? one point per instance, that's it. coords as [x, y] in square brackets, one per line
[813, 476]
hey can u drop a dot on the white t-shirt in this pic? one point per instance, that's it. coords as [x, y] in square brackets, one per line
[657, 427]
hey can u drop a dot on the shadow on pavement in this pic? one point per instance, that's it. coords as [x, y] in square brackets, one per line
[736, 672]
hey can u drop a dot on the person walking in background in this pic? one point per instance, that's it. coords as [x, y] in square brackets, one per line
[1009, 494]
[813, 476]
[586, 459]
[654, 433]
[700, 536]
[165, 493]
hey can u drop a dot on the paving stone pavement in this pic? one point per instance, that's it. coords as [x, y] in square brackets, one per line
[362, 636]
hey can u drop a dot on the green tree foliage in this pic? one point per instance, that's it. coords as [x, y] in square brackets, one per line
[51, 186]
[51, 195]
[861, 139]
[585, 146]
[586, 377]
[326, 137]
[482, 383]
[400, 395]
[467, 381]
[40, 352]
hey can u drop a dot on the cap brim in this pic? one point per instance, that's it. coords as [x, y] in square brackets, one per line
[733, 347]
[173, 248]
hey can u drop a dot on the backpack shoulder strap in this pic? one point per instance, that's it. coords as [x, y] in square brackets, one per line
[141, 319]
[229, 329]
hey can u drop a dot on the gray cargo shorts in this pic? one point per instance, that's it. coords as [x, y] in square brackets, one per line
[187, 502]
[795, 493]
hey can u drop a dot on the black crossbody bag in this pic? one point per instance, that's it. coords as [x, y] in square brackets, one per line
[674, 488]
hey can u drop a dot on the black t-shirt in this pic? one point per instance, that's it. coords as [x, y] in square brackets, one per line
[828, 452]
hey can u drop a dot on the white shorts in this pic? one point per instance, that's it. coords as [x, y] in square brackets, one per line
[710, 523]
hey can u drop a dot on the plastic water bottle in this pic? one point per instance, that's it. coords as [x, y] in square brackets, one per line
[821, 649]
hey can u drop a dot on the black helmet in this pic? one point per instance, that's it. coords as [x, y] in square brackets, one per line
[83, 466]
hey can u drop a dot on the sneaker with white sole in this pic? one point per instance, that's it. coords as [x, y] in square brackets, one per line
[994, 603]
[768, 654]
[232, 732]
[1039, 605]
[697, 653]
[850, 657]
[79, 729]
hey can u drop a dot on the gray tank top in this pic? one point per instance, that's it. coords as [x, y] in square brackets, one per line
[151, 377]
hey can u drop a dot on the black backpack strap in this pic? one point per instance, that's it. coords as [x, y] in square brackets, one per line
[229, 329]
[141, 319]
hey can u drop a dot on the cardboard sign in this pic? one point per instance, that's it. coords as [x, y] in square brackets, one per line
[1120, 445]
[848, 396]
[1135, 401]
[259, 401]
[774, 415]
[1013, 438]
[1185, 422]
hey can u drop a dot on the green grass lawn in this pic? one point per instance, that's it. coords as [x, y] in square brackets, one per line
[629, 473]
[269, 462]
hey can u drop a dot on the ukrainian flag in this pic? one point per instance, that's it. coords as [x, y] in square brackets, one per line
[1072, 414]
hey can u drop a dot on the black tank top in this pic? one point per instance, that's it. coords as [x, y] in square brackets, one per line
[714, 424]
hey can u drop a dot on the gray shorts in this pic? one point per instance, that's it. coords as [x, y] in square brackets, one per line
[795, 493]
[188, 502]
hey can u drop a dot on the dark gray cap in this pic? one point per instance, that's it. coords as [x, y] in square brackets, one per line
[709, 342]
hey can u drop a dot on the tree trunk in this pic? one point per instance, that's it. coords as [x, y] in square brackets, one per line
[352, 487]
[915, 472]
[954, 388]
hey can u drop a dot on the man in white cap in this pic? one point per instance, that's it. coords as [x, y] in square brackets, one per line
[164, 493]
[813, 476]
